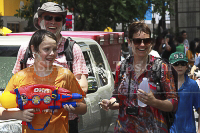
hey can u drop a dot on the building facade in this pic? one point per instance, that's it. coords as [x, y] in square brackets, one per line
[188, 18]
[8, 9]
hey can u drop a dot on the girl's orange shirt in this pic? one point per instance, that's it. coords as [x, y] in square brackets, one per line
[60, 77]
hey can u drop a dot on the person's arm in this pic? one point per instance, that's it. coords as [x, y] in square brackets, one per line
[74, 87]
[109, 104]
[81, 108]
[191, 61]
[149, 99]
[193, 69]
[168, 47]
[79, 68]
[20, 56]
[25, 115]
[168, 86]
[82, 80]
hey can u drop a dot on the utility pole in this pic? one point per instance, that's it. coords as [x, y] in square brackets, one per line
[176, 16]
[163, 16]
[36, 5]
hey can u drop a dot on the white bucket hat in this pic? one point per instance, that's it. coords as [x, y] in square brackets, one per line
[49, 7]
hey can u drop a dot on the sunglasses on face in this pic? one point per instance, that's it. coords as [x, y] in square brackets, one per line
[49, 18]
[180, 63]
[138, 41]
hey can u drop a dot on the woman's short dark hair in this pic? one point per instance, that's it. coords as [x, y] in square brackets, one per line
[180, 39]
[137, 26]
[38, 37]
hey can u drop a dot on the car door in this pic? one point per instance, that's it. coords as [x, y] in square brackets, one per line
[100, 86]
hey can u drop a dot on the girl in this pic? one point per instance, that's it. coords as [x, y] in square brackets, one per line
[43, 46]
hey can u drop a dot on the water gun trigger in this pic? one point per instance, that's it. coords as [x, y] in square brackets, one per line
[38, 112]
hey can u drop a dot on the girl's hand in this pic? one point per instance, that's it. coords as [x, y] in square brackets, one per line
[69, 108]
[27, 115]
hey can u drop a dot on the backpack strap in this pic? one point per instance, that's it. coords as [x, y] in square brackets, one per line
[123, 66]
[68, 51]
[156, 68]
[24, 61]
[120, 74]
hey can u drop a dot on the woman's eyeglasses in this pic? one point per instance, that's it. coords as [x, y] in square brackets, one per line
[138, 41]
[49, 18]
[182, 63]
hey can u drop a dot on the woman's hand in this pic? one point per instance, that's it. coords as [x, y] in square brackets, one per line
[27, 115]
[147, 98]
[105, 104]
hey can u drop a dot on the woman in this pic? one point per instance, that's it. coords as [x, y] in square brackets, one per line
[191, 53]
[43, 46]
[189, 96]
[133, 118]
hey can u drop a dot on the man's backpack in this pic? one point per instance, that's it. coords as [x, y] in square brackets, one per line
[156, 74]
[68, 51]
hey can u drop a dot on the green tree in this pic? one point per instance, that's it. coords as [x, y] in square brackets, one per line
[161, 6]
[96, 15]
[27, 12]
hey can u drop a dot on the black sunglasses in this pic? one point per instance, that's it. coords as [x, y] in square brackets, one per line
[138, 41]
[49, 18]
[182, 63]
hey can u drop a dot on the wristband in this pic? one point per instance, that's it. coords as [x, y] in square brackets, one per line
[113, 102]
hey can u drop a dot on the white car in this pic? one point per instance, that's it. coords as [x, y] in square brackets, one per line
[100, 83]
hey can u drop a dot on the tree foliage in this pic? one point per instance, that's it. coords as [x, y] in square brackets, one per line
[95, 15]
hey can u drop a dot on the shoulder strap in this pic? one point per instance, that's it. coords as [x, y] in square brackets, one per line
[119, 74]
[123, 66]
[68, 51]
[156, 68]
[24, 61]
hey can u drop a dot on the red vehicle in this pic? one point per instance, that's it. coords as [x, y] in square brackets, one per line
[109, 41]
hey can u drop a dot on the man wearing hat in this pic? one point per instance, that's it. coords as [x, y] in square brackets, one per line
[189, 96]
[50, 16]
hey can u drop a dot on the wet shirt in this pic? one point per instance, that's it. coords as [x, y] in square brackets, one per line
[60, 77]
[189, 96]
[149, 119]
[79, 64]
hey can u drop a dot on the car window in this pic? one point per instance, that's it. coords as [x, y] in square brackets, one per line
[8, 56]
[100, 65]
[92, 82]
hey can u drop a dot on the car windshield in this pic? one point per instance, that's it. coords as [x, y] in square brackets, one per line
[6, 66]
[8, 56]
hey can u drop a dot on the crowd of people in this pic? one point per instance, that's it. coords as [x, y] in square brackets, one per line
[179, 93]
[168, 92]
